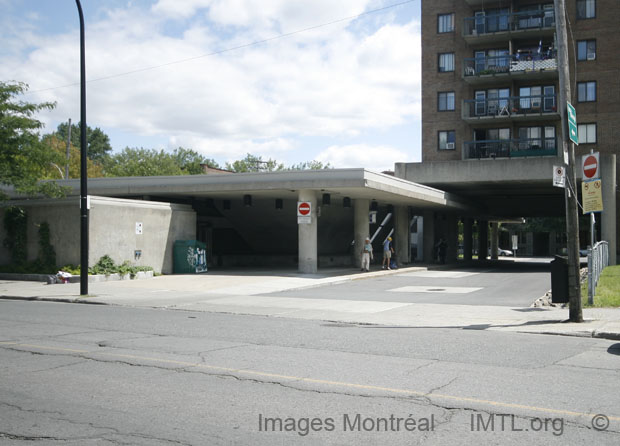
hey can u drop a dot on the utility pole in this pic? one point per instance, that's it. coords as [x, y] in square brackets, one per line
[84, 202]
[68, 151]
[568, 151]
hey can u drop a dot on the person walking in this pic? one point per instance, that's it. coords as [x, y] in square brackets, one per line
[366, 255]
[387, 253]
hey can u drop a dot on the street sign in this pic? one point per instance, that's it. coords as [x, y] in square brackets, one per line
[559, 176]
[590, 166]
[572, 123]
[304, 209]
[592, 196]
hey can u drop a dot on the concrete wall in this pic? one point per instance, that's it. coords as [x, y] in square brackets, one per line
[112, 230]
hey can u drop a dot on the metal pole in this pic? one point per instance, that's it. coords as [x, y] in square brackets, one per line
[572, 221]
[83, 164]
[68, 150]
[591, 284]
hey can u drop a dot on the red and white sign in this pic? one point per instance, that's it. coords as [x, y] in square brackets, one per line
[590, 165]
[304, 208]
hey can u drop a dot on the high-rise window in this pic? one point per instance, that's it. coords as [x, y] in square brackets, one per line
[586, 9]
[586, 91]
[446, 62]
[445, 23]
[586, 49]
[587, 133]
[446, 139]
[445, 101]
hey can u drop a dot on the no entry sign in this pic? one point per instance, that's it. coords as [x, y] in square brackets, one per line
[303, 208]
[590, 165]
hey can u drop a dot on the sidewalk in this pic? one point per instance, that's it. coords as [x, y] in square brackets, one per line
[243, 292]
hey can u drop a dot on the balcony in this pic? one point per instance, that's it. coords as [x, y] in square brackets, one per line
[509, 148]
[487, 28]
[498, 69]
[519, 108]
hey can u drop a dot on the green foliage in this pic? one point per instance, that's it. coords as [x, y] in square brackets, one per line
[98, 142]
[253, 163]
[310, 165]
[105, 265]
[23, 157]
[134, 162]
[47, 253]
[607, 290]
[15, 220]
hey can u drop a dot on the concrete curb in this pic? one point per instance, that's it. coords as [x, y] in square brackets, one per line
[66, 300]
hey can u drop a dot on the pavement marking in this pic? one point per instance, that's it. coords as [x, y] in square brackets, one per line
[319, 381]
[298, 303]
[437, 289]
[440, 274]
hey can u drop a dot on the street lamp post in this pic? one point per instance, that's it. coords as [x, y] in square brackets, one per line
[83, 165]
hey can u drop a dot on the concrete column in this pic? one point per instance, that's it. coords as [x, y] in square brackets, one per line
[429, 237]
[483, 237]
[608, 216]
[360, 228]
[468, 224]
[308, 236]
[494, 239]
[401, 234]
[529, 240]
[452, 238]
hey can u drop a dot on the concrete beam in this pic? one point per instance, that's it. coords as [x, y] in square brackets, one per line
[609, 228]
[483, 238]
[429, 237]
[468, 224]
[494, 239]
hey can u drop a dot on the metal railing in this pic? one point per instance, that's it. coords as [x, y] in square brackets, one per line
[509, 148]
[510, 63]
[509, 106]
[518, 21]
[598, 260]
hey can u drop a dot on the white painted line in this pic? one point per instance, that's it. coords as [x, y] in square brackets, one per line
[440, 274]
[437, 289]
[347, 306]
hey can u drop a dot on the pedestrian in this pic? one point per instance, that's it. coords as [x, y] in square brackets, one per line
[366, 255]
[387, 253]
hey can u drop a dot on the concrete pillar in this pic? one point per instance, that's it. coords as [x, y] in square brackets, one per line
[468, 224]
[429, 237]
[483, 238]
[452, 238]
[308, 236]
[608, 216]
[494, 239]
[360, 229]
[401, 234]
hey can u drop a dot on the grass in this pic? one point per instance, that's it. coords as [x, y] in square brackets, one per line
[608, 289]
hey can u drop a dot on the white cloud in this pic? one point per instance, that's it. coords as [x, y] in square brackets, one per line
[377, 158]
[335, 82]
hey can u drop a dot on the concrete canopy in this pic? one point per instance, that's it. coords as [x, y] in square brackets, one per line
[353, 183]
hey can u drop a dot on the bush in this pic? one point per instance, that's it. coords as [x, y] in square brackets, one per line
[106, 266]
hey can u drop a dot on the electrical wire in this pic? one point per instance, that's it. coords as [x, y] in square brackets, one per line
[226, 50]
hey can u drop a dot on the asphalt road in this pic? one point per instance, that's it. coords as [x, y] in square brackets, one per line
[76, 374]
[507, 284]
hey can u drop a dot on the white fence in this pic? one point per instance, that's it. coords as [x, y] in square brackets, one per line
[598, 259]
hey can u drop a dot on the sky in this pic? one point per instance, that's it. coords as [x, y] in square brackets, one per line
[290, 80]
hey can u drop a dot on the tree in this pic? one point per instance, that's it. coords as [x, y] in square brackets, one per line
[310, 165]
[57, 167]
[190, 161]
[140, 162]
[134, 162]
[24, 159]
[253, 163]
[98, 142]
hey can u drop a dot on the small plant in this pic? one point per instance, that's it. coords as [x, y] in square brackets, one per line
[106, 266]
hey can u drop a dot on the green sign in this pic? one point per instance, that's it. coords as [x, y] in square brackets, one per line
[572, 123]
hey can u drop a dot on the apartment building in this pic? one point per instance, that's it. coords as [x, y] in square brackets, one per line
[490, 123]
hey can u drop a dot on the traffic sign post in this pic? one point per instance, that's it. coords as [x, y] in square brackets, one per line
[572, 123]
